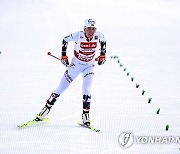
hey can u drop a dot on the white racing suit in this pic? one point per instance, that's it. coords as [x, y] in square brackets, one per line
[82, 62]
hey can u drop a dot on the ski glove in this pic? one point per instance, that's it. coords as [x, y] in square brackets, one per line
[64, 60]
[101, 59]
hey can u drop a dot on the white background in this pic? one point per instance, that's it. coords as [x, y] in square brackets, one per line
[144, 34]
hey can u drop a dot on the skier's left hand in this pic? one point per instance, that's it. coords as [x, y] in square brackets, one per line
[101, 59]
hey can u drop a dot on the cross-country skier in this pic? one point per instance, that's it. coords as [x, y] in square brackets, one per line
[83, 62]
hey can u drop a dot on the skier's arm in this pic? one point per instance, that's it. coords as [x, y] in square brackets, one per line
[66, 39]
[102, 42]
[102, 58]
[103, 47]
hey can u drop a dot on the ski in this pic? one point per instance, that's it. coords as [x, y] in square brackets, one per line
[32, 122]
[89, 127]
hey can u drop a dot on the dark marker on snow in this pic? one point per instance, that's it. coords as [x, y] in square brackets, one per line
[158, 111]
[132, 79]
[167, 127]
[143, 91]
[137, 85]
[149, 100]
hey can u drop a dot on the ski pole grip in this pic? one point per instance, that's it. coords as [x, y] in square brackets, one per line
[96, 59]
[49, 53]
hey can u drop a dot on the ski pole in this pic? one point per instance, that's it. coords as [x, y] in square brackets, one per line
[49, 53]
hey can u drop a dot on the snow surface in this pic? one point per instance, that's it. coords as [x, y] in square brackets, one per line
[144, 34]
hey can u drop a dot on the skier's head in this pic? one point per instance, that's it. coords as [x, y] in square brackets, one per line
[89, 27]
[89, 23]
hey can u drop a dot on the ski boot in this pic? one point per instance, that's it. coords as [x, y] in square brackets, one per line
[50, 102]
[85, 118]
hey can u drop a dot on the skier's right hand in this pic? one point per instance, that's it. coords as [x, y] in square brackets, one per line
[64, 60]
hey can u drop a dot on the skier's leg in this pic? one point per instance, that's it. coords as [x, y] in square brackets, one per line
[69, 75]
[86, 109]
[88, 75]
[66, 80]
[50, 102]
[87, 81]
